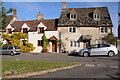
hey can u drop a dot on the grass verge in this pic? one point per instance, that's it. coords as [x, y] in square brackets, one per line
[24, 66]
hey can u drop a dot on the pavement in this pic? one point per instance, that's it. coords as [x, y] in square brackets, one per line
[95, 66]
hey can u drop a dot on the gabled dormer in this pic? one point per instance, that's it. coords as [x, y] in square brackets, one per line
[73, 14]
[41, 27]
[25, 28]
[97, 15]
[9, 29]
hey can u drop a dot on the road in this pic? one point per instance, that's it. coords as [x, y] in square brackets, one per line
[95, 67]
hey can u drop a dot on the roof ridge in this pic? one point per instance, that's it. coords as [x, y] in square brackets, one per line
[88, 7]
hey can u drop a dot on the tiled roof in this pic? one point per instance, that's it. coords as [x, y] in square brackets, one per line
[85, 17]
[50, 24]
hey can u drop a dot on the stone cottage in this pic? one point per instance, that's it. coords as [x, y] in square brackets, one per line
[80, 27]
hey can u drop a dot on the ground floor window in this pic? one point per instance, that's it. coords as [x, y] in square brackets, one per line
[74, 44]
[40, 42]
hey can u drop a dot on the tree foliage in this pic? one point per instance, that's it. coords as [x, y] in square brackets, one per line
[110, 38]
[15, 40]
[3, 18]
[27, 48]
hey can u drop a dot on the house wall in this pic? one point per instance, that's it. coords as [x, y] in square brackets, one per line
[33, 38]
[66, 36]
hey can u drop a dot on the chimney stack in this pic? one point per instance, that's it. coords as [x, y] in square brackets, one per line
[63, 5]
[14, 12]
[40, 16]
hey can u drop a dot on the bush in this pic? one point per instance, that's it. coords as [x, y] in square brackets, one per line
[14, 40]
[27, 48]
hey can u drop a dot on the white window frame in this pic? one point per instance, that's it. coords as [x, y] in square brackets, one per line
[72, 29]
[97, 16]
[104, 30]
[7, 30]
[73, 16]
[74, 44]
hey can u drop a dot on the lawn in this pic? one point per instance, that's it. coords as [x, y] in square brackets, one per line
[24, 66]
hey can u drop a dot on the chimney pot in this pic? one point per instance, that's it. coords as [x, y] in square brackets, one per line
[40, 17]
[63, 5]
[14, 12]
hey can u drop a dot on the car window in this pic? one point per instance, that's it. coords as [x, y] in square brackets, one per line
[4, 47]
[16, 47]
[96, 46]
[105, 45]
[10, 47]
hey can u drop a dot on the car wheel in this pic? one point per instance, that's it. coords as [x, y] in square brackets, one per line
[110, 53]
[85, 54]
[12, 54]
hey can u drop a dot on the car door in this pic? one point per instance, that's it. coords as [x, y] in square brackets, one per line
[103, 50]
[4, 49]
[95, 49]
[10, 49]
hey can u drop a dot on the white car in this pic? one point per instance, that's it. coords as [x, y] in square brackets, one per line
[99, 49]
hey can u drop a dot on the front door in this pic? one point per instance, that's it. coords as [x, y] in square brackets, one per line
[54, 47]
[86, 43]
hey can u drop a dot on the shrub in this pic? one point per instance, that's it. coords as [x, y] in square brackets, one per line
[27, 48]
[14, 40]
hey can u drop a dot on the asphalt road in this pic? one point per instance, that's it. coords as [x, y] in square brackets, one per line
[95, 67]
[81, 72]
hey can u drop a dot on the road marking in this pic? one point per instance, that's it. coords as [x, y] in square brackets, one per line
[114, 67]
[100, 65]
[90, 65]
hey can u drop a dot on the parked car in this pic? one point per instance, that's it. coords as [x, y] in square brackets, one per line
[75, 52]
[12, 50]
[99, 49]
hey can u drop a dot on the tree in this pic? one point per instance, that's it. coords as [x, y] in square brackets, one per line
[110, 38]
[3, 19]
[15, 39]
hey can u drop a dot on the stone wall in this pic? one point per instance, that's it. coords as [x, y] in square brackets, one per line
[66, 36]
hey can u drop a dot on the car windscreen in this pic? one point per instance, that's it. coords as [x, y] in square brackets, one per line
[16, 47]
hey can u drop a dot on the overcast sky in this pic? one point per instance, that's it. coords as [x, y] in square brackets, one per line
[52, 10]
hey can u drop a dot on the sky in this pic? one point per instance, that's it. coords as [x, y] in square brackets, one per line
[52, 10]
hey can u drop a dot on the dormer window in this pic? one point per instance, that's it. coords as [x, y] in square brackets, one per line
[97, 16]
[9, 31]
[40, 30]
[73, 16]
[25, 30]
